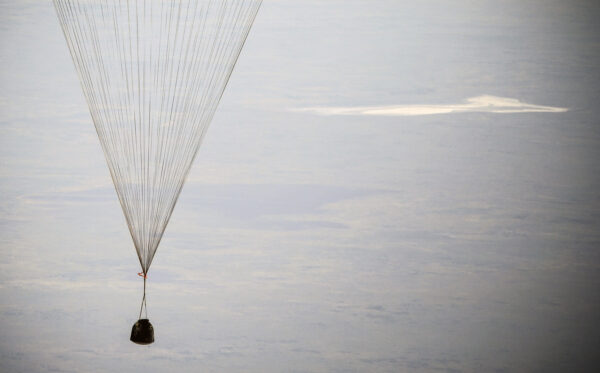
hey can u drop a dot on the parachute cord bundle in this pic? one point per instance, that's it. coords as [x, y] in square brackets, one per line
[144, 305]
[153, 73]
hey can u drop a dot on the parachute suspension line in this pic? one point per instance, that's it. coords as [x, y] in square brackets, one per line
[153, 73]
[144, 305]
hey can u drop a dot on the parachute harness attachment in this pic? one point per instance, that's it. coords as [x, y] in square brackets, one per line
[143, 306]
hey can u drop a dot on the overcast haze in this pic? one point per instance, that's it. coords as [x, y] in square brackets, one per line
[387, 186]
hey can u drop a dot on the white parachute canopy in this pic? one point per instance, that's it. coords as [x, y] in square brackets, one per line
[153, 72]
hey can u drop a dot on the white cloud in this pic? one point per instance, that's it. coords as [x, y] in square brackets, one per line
[479, 104]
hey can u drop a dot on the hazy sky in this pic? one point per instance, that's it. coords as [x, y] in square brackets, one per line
[387, 186]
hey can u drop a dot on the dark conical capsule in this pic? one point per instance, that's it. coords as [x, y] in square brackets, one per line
[142, 332]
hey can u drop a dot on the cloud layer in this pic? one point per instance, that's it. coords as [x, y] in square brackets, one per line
[479, 104]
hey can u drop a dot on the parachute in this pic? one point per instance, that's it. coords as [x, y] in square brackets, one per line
[153, 73]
